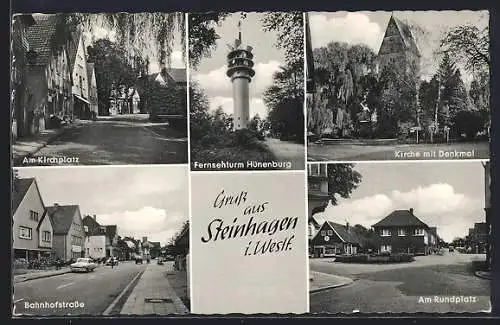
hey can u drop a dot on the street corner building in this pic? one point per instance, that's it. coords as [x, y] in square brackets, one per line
[32, 229]
[69, 234]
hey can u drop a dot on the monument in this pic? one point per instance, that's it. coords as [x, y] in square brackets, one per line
[240, 70]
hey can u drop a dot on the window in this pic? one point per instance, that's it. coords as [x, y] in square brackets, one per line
[330, 232]
[86, 228]
[314, 169]
[46, 237]
[315, 186]
[385, 248]
[25, 232]
[33, 215]
[401, 232]
[323, 232]
[419, 232]
[385, 232]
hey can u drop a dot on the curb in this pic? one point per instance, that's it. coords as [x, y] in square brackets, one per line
[331, 287]
[480, 275]
[41, 276]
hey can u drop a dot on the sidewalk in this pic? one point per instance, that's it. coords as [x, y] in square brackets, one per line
[153, 295]
[40, 274]
[31, 144]
[322, 281]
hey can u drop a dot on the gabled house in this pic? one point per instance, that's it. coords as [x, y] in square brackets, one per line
[78, 66]
[49, 76]
[95, 238]
[93, 99]
[19, 74]
[69, 233]
[31, 229]
[402, 232]
[336, 239]
[399, 48]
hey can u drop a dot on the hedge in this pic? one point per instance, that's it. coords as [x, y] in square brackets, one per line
[380, 258]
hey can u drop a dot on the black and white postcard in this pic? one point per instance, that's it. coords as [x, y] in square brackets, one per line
[410, 85]
[401, 237]
[100, 241]
[246, 91]
[98, 89]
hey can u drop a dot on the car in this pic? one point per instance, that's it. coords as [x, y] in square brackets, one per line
[112, 261]
[138, 260]
[83, 265]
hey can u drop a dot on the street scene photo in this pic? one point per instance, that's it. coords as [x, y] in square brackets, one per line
[246, 92]
[93, 241]
[402, 85]
[98, 89]
[399, 237]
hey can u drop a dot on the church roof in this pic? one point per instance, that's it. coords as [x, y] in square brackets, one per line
[405, 33]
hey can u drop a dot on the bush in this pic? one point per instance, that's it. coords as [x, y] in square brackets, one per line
[469, 123]
[376, 258]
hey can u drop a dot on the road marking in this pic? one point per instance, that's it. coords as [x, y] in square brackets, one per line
[18, 300]
[65, 285]
[113, 304]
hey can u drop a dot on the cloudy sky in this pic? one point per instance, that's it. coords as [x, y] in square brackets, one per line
[368, 28]
[211, 73]
[176, 58]
[141, 201]
[448, 195]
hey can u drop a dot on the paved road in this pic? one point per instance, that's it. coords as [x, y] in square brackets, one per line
[404, 288]
[96, 290]
[117, 142]
[342, 152]
[288, 151]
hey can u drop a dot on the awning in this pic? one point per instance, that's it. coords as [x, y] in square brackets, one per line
[81, 98]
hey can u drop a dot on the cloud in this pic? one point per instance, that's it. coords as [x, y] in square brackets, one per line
[257, 105]
[353, 28]
[437, 205]
[156, 224]
[176, 61]
[217, 84]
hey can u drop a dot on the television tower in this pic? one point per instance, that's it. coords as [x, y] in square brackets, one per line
[240, 70]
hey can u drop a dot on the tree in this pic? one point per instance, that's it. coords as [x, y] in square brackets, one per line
[113, 71]
[285, 102]
[202, 34]
[255, 123]
[469, 44]
[342, 181]
[289, 34]
[468, 123]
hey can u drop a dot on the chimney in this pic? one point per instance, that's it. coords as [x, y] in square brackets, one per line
[411, 210]
[144, 239]
[95, 217]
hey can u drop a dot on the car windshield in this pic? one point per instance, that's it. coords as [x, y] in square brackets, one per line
[82, 260]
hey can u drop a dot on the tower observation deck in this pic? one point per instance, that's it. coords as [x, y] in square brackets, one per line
[240, 71]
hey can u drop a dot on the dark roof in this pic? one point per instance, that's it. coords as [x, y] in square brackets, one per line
[61, 217]
[73, 48]
[400, 218]
[92, 225]
[110, 231]
[19, 189]
[40, 36]
[347, 234]
[179, 75]
[407, 35]
[156, 243]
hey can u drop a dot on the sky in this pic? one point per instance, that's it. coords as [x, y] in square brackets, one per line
[211, 73]
[150, 201]
[447, 195]
[368, 28]
[176, 57]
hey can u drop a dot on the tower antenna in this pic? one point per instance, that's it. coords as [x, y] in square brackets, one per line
[239, 30]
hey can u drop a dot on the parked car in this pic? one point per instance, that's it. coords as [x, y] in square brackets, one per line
[83, 264]
[138, 260]
[112, 261]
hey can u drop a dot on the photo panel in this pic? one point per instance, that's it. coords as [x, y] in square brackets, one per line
[249, 243]
[399, 237]
[100, 241]
[98, 89]
[401, 85]
[246, 91]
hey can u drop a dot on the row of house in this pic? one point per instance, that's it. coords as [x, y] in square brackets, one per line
[399, 232]
[53, 232]
[50, 77]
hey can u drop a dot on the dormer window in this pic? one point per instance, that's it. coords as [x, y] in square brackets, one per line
[419, 232]
[385, 232]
